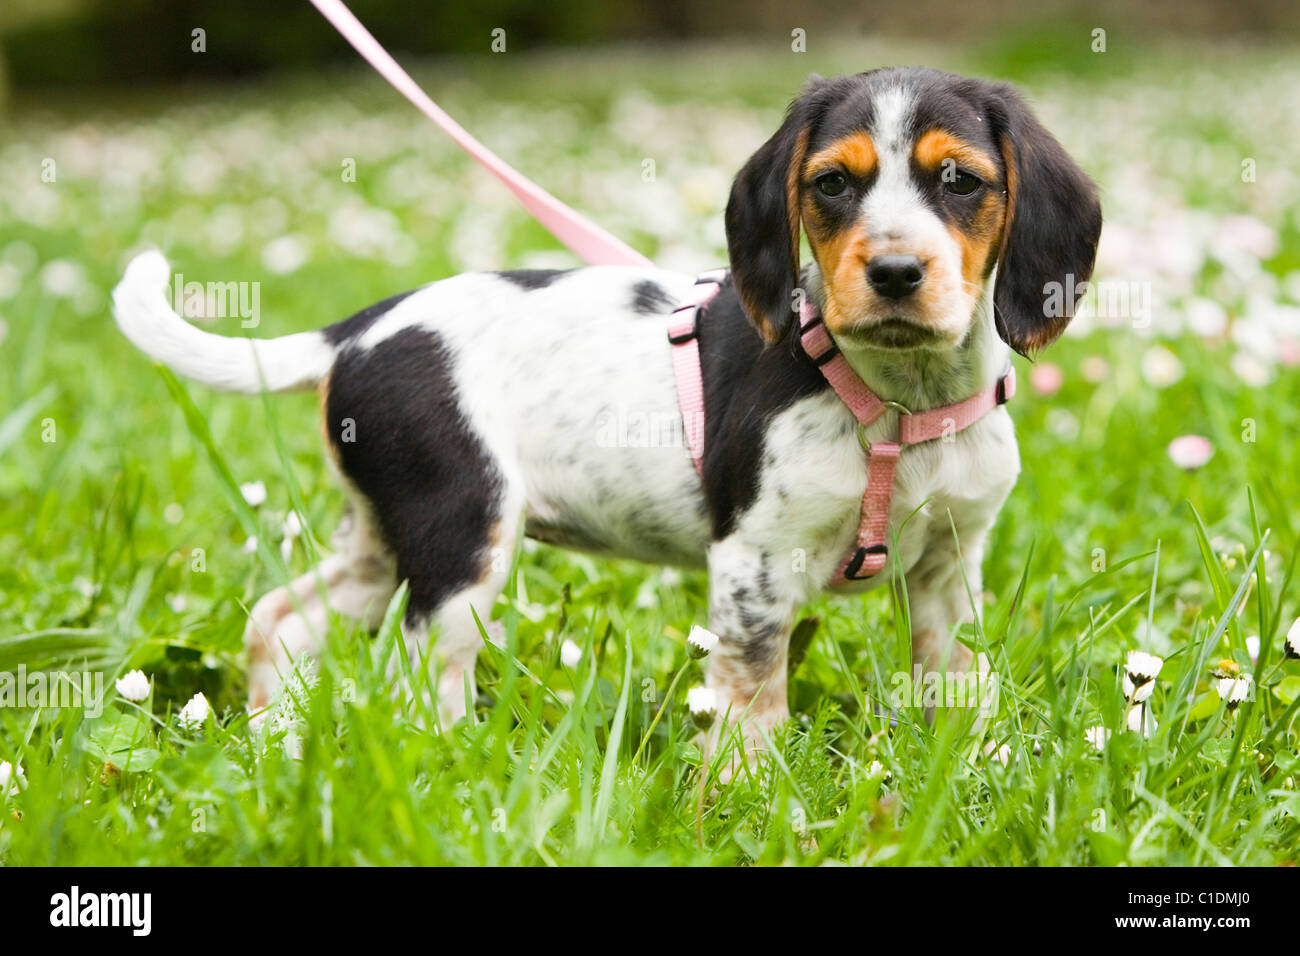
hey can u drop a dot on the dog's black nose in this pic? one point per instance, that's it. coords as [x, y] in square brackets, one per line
[895, 276]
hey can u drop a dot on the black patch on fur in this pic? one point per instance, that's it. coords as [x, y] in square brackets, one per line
[434, 489]
[760, 244]
[745, 386]
[530, 279]
[649, 298]
[763, 580]
[1054, 229]
[354, 325]
[759, 646]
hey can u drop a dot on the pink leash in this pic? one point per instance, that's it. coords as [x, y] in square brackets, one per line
[587, 240]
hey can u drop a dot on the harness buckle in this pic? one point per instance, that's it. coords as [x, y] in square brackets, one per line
[832, 349]
[700, 300]
[862, 429]
[826, 356]
[681, 338]
[1006, 386]
[859, 558]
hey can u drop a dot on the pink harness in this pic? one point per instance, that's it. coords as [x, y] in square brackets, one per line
[870, 553]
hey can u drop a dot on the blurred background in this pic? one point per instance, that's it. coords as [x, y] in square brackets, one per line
[97, 41]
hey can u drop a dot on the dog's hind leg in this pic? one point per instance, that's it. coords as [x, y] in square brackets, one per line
[441, 632]
[356, 581]
[447, 502]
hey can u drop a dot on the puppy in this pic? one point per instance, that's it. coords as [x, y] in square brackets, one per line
[940, 216]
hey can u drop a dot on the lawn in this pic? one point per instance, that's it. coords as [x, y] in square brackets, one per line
[125, 539]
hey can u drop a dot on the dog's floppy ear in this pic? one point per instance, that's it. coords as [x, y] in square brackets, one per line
[1049, 240]
[763, 219]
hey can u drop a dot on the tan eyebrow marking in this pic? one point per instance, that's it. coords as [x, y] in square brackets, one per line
[855, 154]
[937, 145]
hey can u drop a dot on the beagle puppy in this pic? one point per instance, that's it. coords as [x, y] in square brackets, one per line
[941, 218]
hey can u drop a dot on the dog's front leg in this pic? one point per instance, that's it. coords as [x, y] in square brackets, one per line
[940, 588]
[752, 603]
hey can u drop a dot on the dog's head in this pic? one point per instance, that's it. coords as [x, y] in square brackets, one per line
[912, 186]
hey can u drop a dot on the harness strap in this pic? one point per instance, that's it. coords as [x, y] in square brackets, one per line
[870, 552]
[684, 337]
[940, 422]
[873, 524]
[865, 404]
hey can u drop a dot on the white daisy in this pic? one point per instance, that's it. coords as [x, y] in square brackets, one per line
[1291, 646]
[12, 778]
[1140, 672]
[646, 597]
[702, 702]
[1161, 367]
[700, 642]
[63, 278]
[1233, 689]
[195, 712]
[285, 254]
[1141, 720]
[1250, 370]
[570, 654]
[1143, 667]
[1097, 736]
[1137, 693]
[254, 493]
[1002, 753]
[133, 685]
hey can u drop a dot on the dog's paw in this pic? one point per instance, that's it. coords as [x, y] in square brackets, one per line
[740, 744]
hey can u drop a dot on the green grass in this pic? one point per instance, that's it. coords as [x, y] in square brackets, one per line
[121, 540]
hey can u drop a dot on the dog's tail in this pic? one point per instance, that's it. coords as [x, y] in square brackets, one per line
[231, 364]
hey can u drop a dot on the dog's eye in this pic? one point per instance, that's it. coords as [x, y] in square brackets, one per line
[832, 184]
[961, 183]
